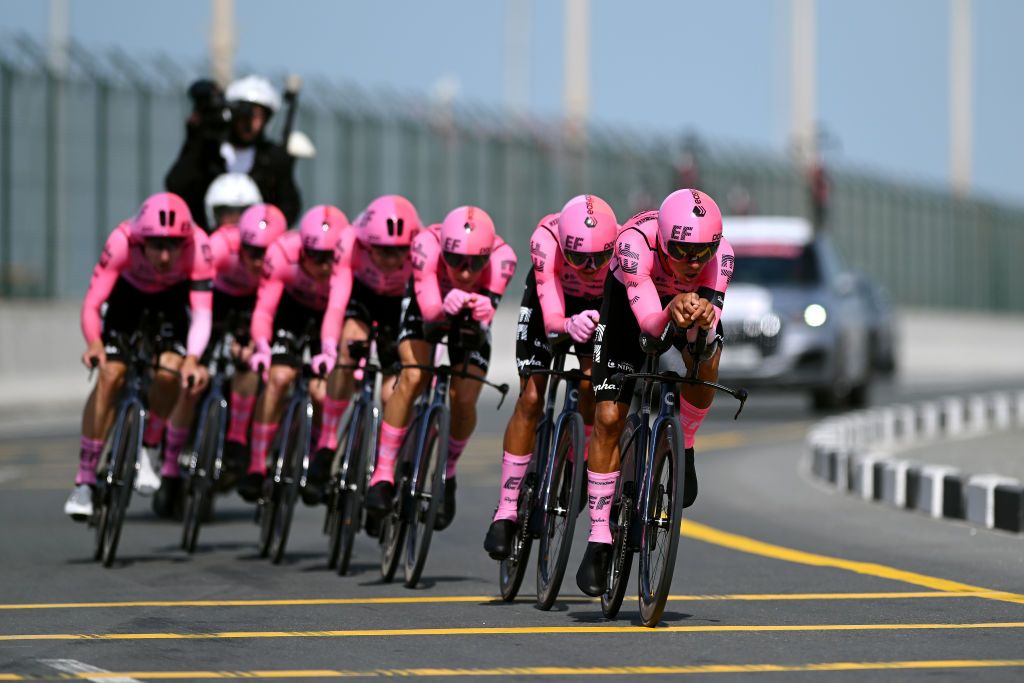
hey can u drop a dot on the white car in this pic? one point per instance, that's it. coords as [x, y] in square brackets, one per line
[793, 317]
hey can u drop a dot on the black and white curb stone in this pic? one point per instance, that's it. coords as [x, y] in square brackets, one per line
[857, 453]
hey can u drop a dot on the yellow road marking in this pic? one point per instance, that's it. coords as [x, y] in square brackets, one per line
[491, 599]
[511, 630]
[556, 670]
[745, 544]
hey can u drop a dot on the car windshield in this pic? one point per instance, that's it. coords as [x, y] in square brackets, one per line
[776, 266]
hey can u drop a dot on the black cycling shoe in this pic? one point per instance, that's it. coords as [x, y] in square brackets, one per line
[447, 512]
[167, 500]
[319, 472]
[689, 479]
[592, 577]
[236, 460]
[498, 542]
[251, 486]
[380, 497]
[373, 526]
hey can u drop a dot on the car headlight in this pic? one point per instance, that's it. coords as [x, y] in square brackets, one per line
[815, 315]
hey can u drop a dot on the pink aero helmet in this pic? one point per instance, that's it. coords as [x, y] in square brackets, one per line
[163, 214]
[467, 237]
[689, 226]
[321, 227]
[261, 224]
[586, 231]
[389, 221]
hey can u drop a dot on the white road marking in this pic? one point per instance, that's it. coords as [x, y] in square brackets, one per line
[73, 666]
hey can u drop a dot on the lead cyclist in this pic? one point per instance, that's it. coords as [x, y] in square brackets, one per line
[670, 265]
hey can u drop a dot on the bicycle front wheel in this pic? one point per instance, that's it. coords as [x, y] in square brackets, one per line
[351, 487]
[199, 492]
[659, 537]
[123, 461]
[512, 569]
[293, 449]
[426, 496]
[621, 519]
[564, 491]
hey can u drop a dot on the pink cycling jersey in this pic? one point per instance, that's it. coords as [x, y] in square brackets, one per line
[356, 263]
[232, 277]
[638, 265]
[282, 272]
[430, 274]
[556, 279]
[123, 257]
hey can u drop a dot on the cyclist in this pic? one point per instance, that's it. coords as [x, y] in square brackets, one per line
[369, 282]
[158, 262]
[293, 294]
[227, 197]
[670, 265]
[571, 251]
[459, 264]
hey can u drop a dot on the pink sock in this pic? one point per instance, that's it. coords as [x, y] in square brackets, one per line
[333, 410]
[690, 417]
[88, 458]
[513, 469]
[600, 490]
[262, 436]
[176, 438]
[154, 433]
[241, 413]
[455, 448]
[390, 441]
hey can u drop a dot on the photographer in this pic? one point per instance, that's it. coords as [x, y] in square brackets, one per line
[224, 134]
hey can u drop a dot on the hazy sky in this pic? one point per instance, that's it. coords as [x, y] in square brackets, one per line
[719, 68]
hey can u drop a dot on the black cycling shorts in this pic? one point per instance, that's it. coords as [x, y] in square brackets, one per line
[124, 315]
[366, 305]
[240, 307]
[412, 328]
[291, 322]
[533, 348]
[617, 343]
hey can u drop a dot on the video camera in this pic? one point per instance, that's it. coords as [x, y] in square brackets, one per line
[212, 109]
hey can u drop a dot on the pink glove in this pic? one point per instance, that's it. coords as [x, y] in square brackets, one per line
[260, 358]
[327, 357]
[483, 309]
[455, 300]
[582, 325]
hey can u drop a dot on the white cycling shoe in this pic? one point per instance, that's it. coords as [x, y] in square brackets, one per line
[147, 480]
[79, 504]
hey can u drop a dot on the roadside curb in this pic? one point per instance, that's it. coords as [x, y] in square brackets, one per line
[857, 453]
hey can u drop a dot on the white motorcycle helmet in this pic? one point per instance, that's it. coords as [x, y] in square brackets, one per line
[254, 89]
[230, 192]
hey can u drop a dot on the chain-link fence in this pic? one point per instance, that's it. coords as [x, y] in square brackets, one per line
[79, 152]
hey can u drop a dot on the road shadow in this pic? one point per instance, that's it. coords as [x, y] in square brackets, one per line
[596, 617]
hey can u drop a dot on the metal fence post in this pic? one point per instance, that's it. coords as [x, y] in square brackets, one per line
[101, 168]
[6, 212]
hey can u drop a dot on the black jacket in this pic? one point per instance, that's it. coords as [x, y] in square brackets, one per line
[199, 162]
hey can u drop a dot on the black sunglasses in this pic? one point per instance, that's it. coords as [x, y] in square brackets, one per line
[594, 260]
[168, 243]
[473, 264]
[320, 257]
[391, 251]
[694, 253]
[254, 252]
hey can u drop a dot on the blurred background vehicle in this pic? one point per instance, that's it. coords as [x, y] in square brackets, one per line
[883, 333]
[795, 319]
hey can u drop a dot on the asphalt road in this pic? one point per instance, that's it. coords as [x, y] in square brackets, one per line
[777, 580]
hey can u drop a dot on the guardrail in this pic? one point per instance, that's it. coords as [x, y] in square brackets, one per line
[857, 454]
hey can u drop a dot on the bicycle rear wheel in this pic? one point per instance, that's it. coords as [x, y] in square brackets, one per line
[124, 457]
[427, 496]
[395, 523]
[351, 518]
[200, 488]
[659, 538]
[563, 492]
[621, 519]
[296, 446]
[512, 569]
[338, 491]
